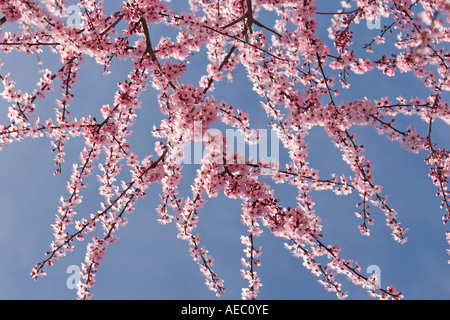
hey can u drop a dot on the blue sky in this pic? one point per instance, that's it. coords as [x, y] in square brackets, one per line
[149, 262]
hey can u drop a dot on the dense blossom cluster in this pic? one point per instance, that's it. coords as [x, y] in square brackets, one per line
[297, 77]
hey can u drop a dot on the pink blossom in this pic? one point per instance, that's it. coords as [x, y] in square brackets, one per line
[297, 78]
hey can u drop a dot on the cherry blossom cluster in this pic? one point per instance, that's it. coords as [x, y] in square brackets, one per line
[296, 75]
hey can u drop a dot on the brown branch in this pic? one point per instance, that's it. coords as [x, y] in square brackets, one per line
[112, 25]
[150, 51]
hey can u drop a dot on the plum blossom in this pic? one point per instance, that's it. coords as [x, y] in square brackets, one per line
[299, 79]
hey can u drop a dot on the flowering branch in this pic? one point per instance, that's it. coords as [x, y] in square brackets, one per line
[294, 74]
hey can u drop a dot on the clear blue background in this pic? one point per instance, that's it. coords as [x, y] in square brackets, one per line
[149, 262]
